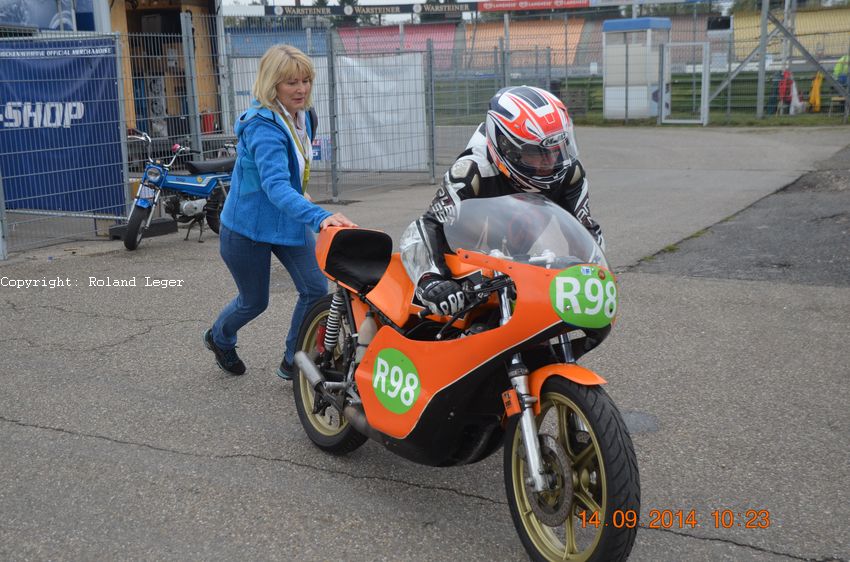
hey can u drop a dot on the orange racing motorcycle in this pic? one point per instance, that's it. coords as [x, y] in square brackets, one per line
[501, 372]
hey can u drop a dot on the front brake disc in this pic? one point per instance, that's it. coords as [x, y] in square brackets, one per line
[552, 506]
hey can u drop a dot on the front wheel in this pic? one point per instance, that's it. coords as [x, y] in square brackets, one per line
[135, 230]
[327, 428]
[592, 511]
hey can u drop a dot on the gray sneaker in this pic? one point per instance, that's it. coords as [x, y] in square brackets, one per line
[286, 370]
[226, 359]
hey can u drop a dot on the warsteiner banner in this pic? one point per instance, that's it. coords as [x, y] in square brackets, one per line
[425, 8]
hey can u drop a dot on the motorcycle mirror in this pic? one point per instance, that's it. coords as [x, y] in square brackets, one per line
[175, 148]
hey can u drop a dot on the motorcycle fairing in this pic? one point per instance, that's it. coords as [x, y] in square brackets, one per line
[394, 293]
[442, 363]
[200, 186]
[461, 425]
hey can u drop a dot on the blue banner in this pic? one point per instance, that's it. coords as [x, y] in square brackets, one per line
[60, 138]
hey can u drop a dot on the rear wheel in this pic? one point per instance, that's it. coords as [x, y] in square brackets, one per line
[592, 511]
[215, 204]
[327, 428]
[135, 230]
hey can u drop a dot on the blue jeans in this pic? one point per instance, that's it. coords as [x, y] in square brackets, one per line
[250, 264]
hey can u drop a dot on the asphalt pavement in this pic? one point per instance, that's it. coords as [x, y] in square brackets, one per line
[120, 439]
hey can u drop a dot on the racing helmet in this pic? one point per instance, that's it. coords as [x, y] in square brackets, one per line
[530, 137]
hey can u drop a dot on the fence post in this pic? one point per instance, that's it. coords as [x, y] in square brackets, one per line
[506, 53]
[122, 124]
[191, 82]
[662, 87]
[847, 97]
[626, 109]
[497, 74]
[762, 61]
[332, 118]
[431, 111]
[4, 255]
[566, 59]
[231, 92]
[549, 71]
[729, 87]
[225, 77]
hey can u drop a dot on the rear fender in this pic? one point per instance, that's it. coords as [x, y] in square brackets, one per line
[571, 371]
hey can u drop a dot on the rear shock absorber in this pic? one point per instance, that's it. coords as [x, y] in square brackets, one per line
[333, 322]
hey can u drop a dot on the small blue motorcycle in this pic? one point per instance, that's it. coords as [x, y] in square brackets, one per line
[193, 196]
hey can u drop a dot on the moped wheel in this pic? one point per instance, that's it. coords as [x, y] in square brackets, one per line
[593, 509]
[327, 428]
[134, 233]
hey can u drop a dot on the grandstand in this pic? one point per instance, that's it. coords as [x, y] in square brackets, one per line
[824, 33]
[529, 40]
[542, 47]
[388, 39]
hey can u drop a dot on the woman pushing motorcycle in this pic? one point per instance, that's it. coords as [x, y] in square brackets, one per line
[268, 210]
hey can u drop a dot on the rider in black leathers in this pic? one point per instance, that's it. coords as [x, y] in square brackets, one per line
[525, 144]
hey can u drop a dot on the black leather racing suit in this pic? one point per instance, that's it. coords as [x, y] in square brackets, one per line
[473, 174]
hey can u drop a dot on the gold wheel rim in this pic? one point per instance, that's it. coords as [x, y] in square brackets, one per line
[331, 423]
[572, 541]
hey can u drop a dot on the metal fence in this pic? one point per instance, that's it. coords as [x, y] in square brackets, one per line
[395, 102]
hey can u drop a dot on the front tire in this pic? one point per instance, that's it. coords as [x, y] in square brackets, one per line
[587, 447]
[328, 430]
[134, 233]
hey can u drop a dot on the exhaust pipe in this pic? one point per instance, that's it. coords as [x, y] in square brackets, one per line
[309, 369]
[354, 414]
[357, 419]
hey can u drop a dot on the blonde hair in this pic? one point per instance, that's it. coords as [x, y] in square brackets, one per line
[281, 62]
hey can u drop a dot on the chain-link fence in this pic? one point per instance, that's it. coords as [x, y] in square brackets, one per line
[395, 102]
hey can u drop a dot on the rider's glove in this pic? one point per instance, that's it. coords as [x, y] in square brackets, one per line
[441, 296]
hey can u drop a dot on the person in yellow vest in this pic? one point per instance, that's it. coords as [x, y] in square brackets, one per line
[839, 72]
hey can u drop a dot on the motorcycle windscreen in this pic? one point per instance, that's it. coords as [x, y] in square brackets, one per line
[522, 227]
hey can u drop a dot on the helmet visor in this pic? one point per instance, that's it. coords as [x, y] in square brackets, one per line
[547, 159]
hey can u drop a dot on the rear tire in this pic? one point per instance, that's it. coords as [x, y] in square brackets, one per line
[134, 233]
[214, 206]
[330, 431]
[601, 477]
[214, 222]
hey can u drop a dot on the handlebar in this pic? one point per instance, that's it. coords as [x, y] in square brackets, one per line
[176, 148]
[479, 293]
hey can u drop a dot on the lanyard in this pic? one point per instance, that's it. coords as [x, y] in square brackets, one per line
[306, 177]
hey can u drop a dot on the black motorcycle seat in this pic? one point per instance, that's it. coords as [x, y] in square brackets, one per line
[211, 166]
[359, 257]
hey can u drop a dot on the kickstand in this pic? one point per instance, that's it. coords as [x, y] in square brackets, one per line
[200, 223]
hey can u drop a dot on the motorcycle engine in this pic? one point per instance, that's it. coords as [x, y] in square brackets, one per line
[183, 210]
[192, 207]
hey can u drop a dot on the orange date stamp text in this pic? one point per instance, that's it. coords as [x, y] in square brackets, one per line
[678, 519]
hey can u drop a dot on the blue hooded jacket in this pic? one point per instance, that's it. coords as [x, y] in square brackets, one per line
[273, 209]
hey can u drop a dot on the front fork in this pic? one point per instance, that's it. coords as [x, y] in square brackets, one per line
[518, 375]
[139, 197]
